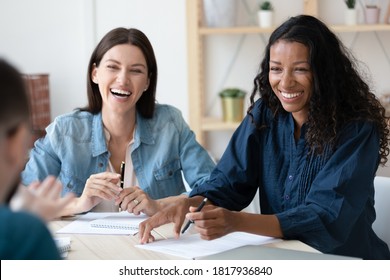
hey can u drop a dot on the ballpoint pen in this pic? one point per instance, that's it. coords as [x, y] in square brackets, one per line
[197, 210]
[122, 173]
[122, 180]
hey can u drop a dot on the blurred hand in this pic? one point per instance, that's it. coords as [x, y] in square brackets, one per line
[135, 200]
[43, 199]
[212, 222]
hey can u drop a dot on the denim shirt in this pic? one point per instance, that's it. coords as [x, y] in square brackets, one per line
[326, 201]
[75, 148]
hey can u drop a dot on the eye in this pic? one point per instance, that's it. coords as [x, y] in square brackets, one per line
[302, 69]
[275, 69]
[136, 71]
[112, 67]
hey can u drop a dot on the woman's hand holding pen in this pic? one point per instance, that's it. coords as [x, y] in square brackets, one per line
[212, 222]
[135, 200]
[99, 187]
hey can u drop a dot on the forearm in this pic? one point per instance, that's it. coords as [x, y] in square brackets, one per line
[267, 225]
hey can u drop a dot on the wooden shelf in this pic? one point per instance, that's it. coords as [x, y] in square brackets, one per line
[213, 124]
[255, 29]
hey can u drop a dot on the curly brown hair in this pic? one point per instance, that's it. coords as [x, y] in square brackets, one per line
[340, 95]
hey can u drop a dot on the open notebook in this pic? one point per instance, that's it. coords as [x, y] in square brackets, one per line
[116, 222]
[122, 223]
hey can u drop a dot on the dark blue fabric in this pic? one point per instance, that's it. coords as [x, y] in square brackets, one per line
[25, 237]
[326, 201]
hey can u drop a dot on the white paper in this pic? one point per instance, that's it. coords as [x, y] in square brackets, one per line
[191, 246]
[82, 224]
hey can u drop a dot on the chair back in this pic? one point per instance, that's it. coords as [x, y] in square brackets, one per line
[381, 225]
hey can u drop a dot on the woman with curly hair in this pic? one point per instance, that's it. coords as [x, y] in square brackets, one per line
[311, 143]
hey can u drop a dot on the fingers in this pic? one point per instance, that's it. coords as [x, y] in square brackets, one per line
[134, 200]
[145, 229]
[103, 185]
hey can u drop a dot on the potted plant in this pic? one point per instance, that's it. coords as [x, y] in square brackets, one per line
[232, 104]
[350, 13]
[265, 14]
[371, 13]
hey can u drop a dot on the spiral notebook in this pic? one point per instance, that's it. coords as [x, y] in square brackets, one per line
[117, 222]
[63, 245]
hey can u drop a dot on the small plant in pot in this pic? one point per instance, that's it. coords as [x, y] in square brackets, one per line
[350, 13]
[265, 14]
[232, 104]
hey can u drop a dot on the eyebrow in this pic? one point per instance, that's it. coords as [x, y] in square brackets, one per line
[133, 65]
[296, 62]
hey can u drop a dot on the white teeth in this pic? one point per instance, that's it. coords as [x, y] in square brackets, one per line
[290, 95]
[121, 92]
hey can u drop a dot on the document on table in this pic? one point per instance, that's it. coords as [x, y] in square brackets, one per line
[191, 246]
[86, 224]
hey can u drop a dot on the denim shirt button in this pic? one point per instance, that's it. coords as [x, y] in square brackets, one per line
[290, 177]
[100, 164]
[170, 173]
[287, 197]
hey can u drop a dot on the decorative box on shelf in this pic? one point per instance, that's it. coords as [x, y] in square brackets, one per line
[38, 89]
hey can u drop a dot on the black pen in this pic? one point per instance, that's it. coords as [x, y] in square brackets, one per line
[197, 210]
[122, 173]
[122, 180]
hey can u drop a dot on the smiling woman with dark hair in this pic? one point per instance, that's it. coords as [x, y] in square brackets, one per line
[311, 144]
[121, 123]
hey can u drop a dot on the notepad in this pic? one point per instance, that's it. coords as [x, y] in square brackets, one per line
[116, 222]
[82, 225]
[63, 245]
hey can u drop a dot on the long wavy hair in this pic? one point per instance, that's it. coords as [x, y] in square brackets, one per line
[340, 95]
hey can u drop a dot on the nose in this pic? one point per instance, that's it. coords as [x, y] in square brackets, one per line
[123, 77]
[287, 80]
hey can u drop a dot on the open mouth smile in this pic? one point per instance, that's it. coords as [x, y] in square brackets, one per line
[121, 93]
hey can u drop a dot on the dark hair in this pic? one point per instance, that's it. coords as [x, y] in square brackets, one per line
[146, 104]
[14, 105]
[340, 95]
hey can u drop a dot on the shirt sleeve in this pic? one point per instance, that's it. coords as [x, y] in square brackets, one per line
[233, 183]
[339, 193]
[43, 160]
[196, 163]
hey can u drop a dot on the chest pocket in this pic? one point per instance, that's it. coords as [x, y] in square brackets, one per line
[168, 170]
[71, 184]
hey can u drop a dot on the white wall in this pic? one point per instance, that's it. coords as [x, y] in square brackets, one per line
[57, 37]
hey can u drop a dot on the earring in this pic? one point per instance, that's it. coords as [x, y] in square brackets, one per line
[145, 89]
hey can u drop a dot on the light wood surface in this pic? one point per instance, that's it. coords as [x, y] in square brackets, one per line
[119, 247]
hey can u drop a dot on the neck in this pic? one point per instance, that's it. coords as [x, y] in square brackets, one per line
[120, 126]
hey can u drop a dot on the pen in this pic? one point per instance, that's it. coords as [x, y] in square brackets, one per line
[122, 173]
[122, 180]
[197, 210]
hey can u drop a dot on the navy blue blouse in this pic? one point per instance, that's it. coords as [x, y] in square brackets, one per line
[326, 201]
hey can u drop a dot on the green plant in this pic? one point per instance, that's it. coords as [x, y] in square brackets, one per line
[266, 6]
[232, 92]
[350, 3]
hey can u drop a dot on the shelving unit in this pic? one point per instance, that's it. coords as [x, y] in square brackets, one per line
[197, 32]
